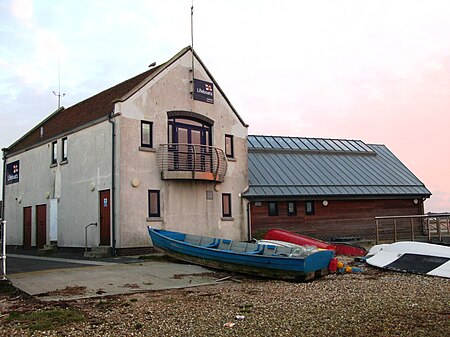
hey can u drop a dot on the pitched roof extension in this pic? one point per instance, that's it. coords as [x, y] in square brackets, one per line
[284, 167]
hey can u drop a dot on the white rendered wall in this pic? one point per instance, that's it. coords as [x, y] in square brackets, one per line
[184, 206]
[76, 185]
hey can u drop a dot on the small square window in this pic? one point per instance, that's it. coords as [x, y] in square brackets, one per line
[64, 148]
[273, 208]
[55, 152]
[229, 146]
[153, 204]
[291, 208]
[226, 205]
[146, 134]
[309, 207]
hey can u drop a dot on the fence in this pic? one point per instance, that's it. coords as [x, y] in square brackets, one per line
[411, 227]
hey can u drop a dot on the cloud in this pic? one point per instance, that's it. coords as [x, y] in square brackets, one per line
[22, 9]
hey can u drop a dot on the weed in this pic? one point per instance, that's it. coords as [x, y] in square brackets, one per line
[246, 308]
[48, 319]
[7, 288]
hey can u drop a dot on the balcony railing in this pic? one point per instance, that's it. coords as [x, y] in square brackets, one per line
[192, 162]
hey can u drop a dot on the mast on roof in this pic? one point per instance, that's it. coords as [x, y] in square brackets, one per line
[192, 47]
[58, 94]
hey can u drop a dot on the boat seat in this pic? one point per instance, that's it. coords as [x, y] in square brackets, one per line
[224, 244]
[258, 250]
[270, 250]
[238, 247]
[206, 242]
[283, 251]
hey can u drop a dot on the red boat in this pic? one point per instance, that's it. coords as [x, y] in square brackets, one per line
[302, 240]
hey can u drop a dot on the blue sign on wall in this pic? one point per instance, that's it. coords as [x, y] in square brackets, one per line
[203, 91]
[12, 173]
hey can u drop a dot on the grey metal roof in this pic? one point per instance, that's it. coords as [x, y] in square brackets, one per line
[317, 167]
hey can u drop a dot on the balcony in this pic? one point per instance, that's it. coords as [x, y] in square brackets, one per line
[192, 162]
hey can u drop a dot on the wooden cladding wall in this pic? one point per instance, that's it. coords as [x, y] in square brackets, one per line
[340, 218]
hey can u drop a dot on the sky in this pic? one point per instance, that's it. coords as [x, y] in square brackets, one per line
[373, 70]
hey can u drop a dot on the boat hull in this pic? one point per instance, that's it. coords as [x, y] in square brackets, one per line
[412, 257]
[303, 240]
[277, 267]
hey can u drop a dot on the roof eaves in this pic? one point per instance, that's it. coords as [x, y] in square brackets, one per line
[36, 127]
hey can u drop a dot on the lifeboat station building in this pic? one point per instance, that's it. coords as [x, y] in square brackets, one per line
[167, 149]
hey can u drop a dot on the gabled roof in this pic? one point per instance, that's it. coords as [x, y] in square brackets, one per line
[91, 109]
[283, 167]
[97, 107]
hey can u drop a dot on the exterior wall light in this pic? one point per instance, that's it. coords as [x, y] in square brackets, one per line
[416, 201]
[135, 182]
[325, 203]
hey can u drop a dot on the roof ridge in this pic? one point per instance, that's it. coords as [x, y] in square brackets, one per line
[325, 138]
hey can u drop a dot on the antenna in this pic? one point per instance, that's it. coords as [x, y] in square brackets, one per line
[59, 95]
[192, 46]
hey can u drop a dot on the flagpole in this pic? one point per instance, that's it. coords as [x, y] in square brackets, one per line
[192, 47]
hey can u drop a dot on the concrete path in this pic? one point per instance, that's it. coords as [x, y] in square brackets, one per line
[106, 278]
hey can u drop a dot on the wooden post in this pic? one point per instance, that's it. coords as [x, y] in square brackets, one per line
[438, 226]
[377, 232]
[395, 230]
[428, 230]
[412, 229]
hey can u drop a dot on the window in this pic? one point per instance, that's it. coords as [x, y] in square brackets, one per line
[309, 207]
[226, 205]
[273, 208]
[153, 204]
[229, 149]
[55, 152]
[291, 208]
[64, 148]
[146, 134]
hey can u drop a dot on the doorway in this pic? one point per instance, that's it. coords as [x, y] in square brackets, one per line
[41, 226]
[191, 141]
[27, 227]
[105, 219]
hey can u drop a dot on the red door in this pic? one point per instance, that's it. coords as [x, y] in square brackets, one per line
[27, 227]
[105, 217]
[41, 225]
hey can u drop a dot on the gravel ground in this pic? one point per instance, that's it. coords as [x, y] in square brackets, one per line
[374, 303]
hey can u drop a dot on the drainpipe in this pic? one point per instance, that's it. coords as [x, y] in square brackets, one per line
[5, 152]
[249, 222]
[113, 181]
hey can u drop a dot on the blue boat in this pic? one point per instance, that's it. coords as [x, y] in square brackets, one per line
[294, 263]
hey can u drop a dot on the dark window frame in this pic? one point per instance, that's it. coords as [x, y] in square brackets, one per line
[64, 151]
[294, 212]
[275, 210]
[158, 213]
[231, 138]
[150, 145]
[54, 155]
[312, 210]
[230, 213]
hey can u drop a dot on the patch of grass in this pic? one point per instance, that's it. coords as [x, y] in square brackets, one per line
[7, 288]
[49, 319]
[154, 257]
[246, 308]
